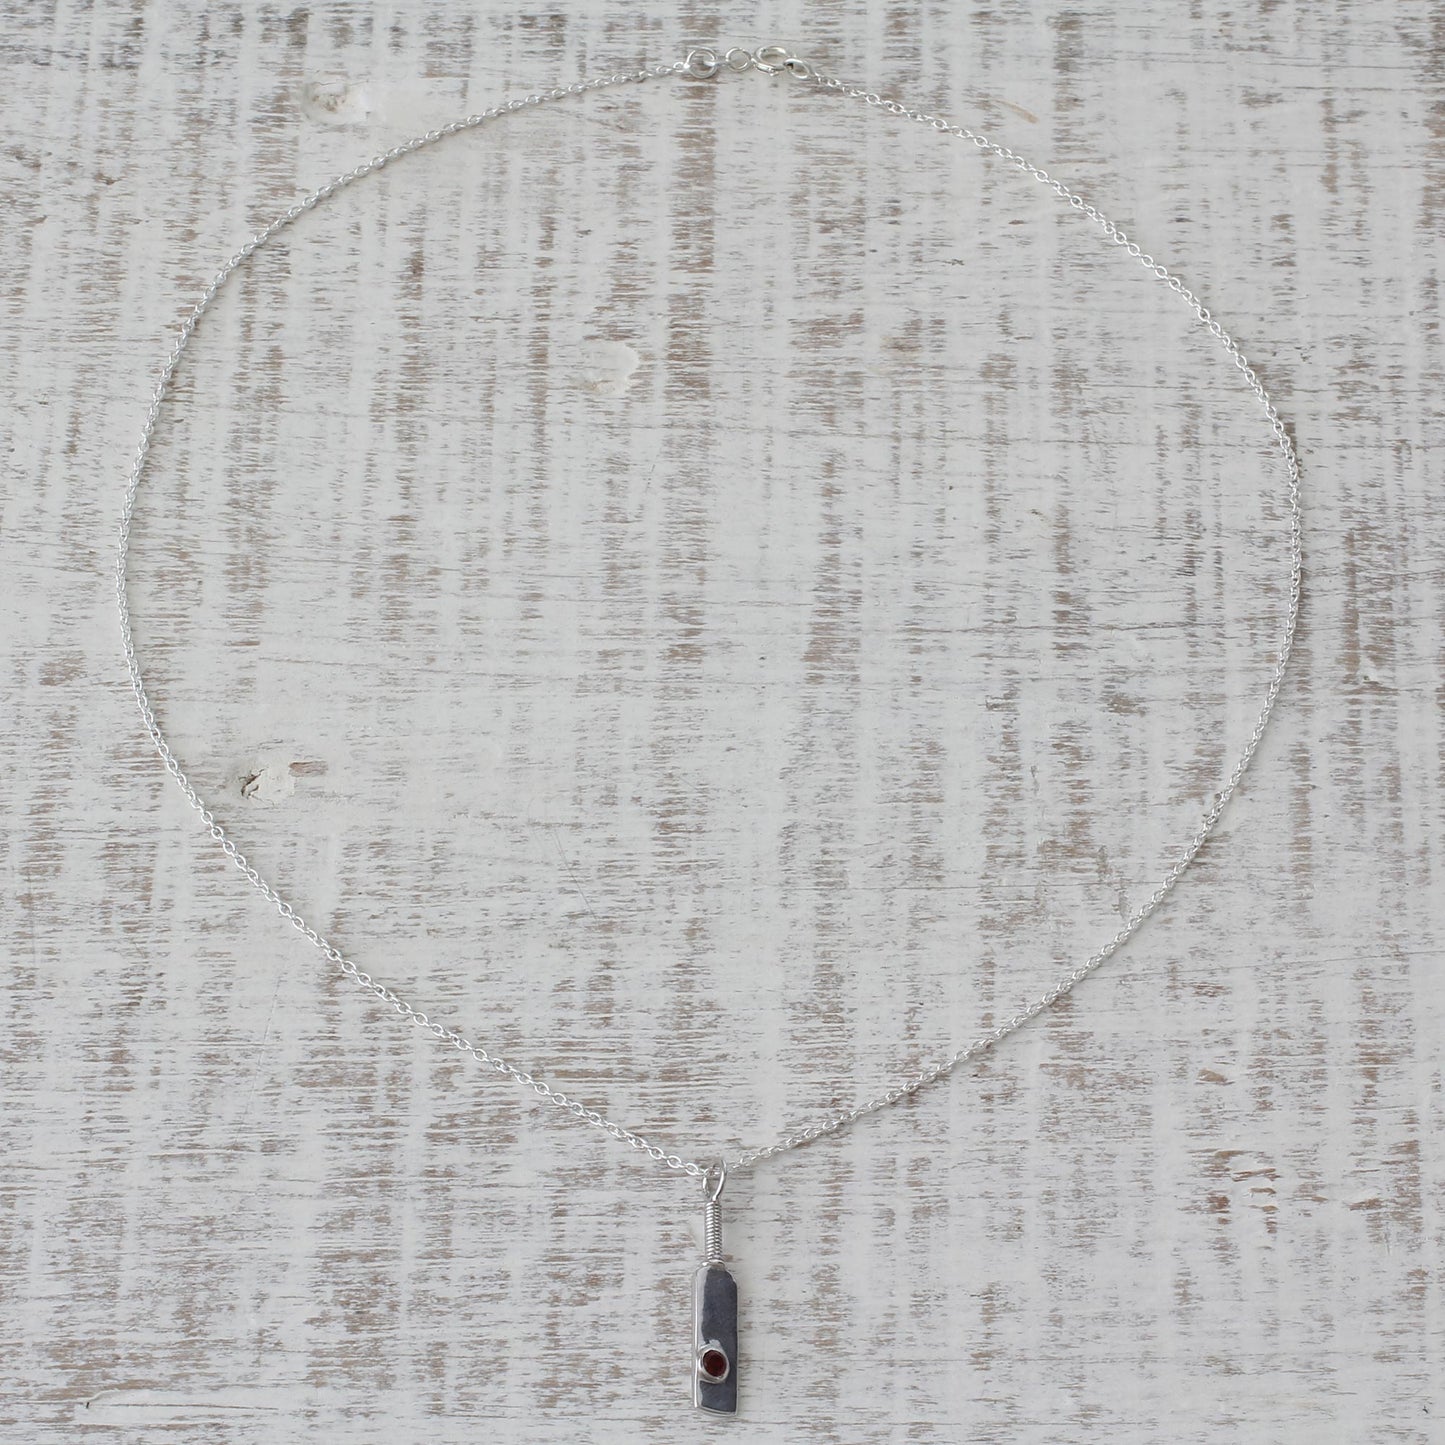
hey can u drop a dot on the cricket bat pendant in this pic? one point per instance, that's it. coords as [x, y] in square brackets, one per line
[714, 1314]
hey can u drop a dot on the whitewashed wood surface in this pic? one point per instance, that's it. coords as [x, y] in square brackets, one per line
[724, 596]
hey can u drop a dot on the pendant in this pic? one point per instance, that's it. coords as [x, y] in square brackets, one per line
[714, 1313]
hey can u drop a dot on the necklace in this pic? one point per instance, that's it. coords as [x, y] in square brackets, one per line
[714, 1365]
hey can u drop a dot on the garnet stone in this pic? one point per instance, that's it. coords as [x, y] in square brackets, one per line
[713, 1364]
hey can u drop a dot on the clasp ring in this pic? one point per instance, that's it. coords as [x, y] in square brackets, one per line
[701, 64]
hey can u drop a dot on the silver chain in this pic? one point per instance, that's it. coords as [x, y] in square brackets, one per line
[702, 64]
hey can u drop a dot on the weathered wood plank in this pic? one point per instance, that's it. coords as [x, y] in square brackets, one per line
[723, 597]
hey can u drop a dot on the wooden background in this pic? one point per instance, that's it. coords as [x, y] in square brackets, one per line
[722, 595]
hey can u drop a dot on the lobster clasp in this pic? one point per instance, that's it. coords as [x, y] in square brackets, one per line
[774, 59]
[771, 59]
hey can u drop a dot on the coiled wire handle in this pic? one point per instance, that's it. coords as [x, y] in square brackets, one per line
[712, 1184]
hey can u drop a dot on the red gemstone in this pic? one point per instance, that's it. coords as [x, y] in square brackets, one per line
[713, 1364]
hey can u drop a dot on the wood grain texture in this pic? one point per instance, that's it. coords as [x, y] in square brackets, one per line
[723, 596]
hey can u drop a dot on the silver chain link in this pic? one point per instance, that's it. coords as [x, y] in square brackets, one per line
[702, 64]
